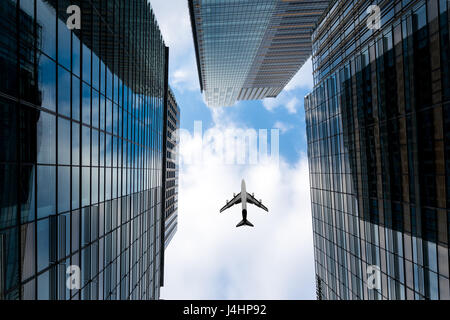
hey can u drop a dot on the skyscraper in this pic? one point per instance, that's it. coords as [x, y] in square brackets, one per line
[250, 49]
[171, 179]
[378, 127]
[81, 140]
[169, 223]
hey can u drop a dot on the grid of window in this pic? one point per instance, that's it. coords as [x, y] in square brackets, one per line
[377, 126]
[81, 129]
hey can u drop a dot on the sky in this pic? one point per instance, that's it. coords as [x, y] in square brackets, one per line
[209, 258]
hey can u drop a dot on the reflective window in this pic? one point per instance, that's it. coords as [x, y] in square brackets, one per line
[46, 19]
[43, 244]
[76, 144]
[85, 186]
[63, 141]
[47, 82]
[28, 196]
[76, 55]
[95, 72]
[94, 183]
[46, 191]
[86, 104]
[86, 64]
[43, 286]
[95, 109]
[109, 115]
[63, 189]
[7, 135]
[75, 98]
[86, 151]
[75, 187]
[75, 224]
[95, 152]
[28, 236]
[64, 92]
[46, 138]
[64, 44]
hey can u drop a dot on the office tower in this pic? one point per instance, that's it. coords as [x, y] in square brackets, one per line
[171, 162]
[169, 223]
[378, 126]
[81, 136]
[250, 49]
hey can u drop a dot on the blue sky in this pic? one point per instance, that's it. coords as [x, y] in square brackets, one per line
[252, 114]
[209, 258]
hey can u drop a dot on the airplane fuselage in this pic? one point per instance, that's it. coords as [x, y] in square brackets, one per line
[243, 196]
[244, 201]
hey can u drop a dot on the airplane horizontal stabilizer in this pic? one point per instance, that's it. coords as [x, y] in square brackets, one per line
[244, 223]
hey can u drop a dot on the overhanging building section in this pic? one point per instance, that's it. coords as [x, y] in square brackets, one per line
[250, 50]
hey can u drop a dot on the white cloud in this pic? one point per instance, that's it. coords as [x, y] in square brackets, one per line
[185, 78]
[284, 127]
[285, 99]
[209, 258]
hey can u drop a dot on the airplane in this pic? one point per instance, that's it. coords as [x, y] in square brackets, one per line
[244, 197]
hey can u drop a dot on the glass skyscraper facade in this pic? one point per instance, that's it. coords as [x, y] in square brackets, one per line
[81, 140]
[378, 127]
[250, 49]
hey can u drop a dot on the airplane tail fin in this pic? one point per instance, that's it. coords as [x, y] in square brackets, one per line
[244, 223]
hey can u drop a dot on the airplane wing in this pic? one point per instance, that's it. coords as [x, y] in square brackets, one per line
[236, 200]
[252, 200]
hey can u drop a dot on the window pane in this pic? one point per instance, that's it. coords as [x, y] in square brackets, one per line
[63, 189]
[75, 144]
[63, 44]
[95, 71]
[75, 187]
[46, 139]
[102, 112]
[85, 186]
[8, 134]
[27, 195]
[94, 185]
[108, 150]
[95, 108]
[28, 238]
[94, 147]
[63, 92]
[85, 226]
[47, 82]
[109, 114]
[86, 64]
[86, 104]
[43, 244]
[46, 18]
[46, 191]
[86, 151]
[63, 236]
[75, 98]
[43, 286]
[63, 141]
[75, 54]
[75, 223]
